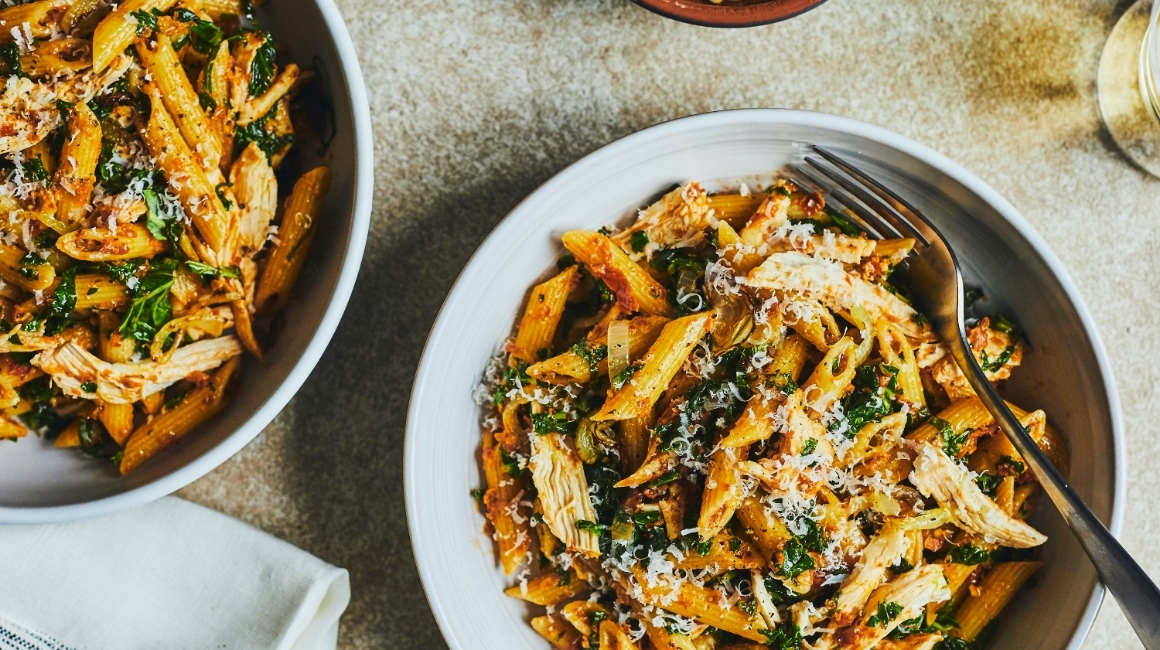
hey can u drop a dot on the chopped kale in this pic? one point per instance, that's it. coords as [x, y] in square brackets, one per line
[204, 35]
[788, 637]
[952, 443]
[639, 241]
[262, 67]
[10, 61]
[887, 612]
[593, 355]
[150, 308]
[551, 423]
[623, 377]
[989, 483]
[257, 131]
[34, 170]
[590, 526]
[809, 447]
[795, 560]
[968, 554]
[146, 19]
[872, 399]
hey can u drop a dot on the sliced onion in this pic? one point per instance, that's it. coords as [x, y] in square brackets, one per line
[927, 521]
[617, 348]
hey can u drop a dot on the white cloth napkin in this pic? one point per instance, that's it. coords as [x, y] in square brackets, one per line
[170, 575]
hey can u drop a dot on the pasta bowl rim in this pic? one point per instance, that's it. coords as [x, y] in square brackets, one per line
[253, 424]
[426, 386]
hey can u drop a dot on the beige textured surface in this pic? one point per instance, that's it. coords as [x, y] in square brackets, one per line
[476, 103]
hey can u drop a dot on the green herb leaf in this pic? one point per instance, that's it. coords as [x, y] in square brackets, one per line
[145, 19]
[89, 387]
[809, 447]
[623, 377]
[952, 443]
[258, 131]
[204, 35]
[795, 559]
[34, 170]
[10, 60]
[887, 611]
[551, 423]
[988, 483]
[968, 554]
[262, 67]
[590, 526]
[639, 241]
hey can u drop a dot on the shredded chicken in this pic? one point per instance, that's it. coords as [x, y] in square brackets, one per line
[676, 220]
[256, 191]
[558, 475]
[882, 552]
[74, 369]
[797, 275]
[829, 245]
[911, 591]
[937, 475]
[990, 347]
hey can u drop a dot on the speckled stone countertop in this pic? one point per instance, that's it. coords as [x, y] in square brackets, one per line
[476, 103]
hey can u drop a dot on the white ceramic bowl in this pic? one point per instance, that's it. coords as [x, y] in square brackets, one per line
[1067, 372]
[39, 484]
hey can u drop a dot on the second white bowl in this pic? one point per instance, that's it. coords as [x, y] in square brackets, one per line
[1066, 373]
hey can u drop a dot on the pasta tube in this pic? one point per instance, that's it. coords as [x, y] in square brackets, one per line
[661, 363]
[184, 172]
[997, 589]
[76, 174]
[295, 235]
[198, 406]
[541, 316]
[118, 29]
[634, 288]
[180, 99]
[130, 241]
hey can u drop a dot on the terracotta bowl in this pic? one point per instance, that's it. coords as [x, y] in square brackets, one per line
[730, 13]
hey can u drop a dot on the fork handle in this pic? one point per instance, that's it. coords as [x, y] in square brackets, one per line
[1135, 592]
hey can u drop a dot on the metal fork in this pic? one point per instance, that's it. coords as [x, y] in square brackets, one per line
[937, 285]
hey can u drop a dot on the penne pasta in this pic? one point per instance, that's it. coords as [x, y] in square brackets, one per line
[167, 428]
[303, 209]
[734, 209]
[76, 175]
[502, 506]
[997, 588]
[550, 589]
[661, 363]
[29, 272]
[185, 174]
[634, 288]
[130, 241]
[98, 291]
[541, 316]
[112, 347]
[118, 29]
[689, 600]
[897, 353]
[180, 100]
[578, 363]
[555, 631]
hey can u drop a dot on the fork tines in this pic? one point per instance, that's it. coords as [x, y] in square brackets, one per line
[874, 208]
